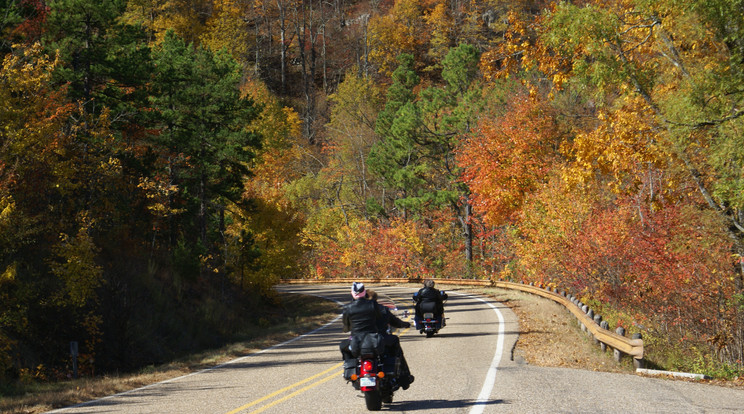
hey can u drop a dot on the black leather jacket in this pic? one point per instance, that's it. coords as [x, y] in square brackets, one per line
[362, 316]
[367, 316]
[433, 298]
[428, 294]
[389, 318]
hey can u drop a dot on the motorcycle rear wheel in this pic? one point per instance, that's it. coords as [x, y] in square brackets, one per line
[373, 400]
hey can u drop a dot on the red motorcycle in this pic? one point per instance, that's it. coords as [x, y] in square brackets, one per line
[376, 377]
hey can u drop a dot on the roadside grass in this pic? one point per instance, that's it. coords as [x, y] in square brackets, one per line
[299, 314]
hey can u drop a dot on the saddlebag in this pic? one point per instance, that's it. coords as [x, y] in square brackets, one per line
[391, 364]
[367, 344]
[350, 366]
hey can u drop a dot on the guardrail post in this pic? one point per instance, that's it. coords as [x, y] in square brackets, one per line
[619, 355]
[590, 313]
[74, 354]
[637, 362]
[584, 309]
[606, 326]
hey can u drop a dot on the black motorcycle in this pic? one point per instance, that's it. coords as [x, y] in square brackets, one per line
[430, 322]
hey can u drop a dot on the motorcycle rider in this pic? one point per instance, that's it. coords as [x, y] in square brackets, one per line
[429, 299]
[392, 342]
[363, 316]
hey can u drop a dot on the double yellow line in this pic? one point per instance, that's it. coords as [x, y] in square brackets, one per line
[335, 372]
[329, 374]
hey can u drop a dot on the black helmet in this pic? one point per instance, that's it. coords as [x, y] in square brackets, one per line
[357, 290]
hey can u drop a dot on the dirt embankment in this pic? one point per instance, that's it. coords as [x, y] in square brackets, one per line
[550, 336]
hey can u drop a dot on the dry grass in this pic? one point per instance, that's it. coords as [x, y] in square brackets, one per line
[551, 337]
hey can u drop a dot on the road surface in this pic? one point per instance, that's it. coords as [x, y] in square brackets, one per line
[466, 368]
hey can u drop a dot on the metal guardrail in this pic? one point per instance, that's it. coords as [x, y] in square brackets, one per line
[621, 344]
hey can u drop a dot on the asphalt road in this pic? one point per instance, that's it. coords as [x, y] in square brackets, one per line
[466, 368]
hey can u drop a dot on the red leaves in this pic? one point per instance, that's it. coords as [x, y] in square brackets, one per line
[507, 158]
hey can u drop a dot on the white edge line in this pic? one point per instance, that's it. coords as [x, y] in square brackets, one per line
[91, 402]
[490, 381]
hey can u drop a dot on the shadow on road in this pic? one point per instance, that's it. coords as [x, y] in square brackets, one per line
[431, 405]
[463, 335]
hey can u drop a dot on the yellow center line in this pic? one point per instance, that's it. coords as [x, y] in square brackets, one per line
[275, 393]
[301, 390]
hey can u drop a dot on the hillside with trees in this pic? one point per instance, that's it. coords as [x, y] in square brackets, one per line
[164, 163]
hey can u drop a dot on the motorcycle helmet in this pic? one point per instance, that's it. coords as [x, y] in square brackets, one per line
[357, 290]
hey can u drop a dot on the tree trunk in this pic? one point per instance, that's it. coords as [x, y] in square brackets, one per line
[283, 46]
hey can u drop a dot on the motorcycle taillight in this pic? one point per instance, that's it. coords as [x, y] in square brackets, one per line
[367, 366]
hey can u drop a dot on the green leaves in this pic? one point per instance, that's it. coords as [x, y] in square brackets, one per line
[203, 123]
[460, 67]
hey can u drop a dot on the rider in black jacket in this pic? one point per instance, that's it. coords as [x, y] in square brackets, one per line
[365, 316]
[392, 342]
[429, 299]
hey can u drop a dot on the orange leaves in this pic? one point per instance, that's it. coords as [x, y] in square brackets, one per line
[507, 158]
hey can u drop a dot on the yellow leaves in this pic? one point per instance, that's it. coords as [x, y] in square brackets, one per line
[406, 232]
[24, 77]
[159, 193]
[403, 30]
[227, 28]
[76, 264]
[9, 273]
[407, 10]
[388, 39]
[7, 221]
[8, 207]
[624, 145]
[279, 160]
[441, 27]
[111, 166]
[558, 80]
[27, 71]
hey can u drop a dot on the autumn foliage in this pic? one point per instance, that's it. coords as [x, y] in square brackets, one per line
[179, 158]
[508, 158]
